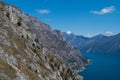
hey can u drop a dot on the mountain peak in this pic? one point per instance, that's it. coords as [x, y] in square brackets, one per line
[99, 36]
[97, 44]
[31, 50]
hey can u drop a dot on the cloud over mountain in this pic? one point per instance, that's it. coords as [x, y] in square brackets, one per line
[68, 32]
[108, 33]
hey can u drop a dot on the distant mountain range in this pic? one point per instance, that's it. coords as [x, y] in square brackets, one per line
[97, 44]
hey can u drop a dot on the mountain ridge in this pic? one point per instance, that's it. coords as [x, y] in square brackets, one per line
[31, 50]
[96, 44]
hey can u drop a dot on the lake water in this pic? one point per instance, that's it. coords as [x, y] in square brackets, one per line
[103, 67]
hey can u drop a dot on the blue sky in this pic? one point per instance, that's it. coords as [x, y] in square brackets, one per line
[83, 17]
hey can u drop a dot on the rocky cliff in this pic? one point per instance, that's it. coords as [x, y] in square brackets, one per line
[31, 50]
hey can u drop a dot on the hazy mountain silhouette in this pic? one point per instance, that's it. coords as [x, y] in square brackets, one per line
[97, 44]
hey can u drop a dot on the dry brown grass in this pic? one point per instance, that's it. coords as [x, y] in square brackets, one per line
[32, 74]
[8, 70]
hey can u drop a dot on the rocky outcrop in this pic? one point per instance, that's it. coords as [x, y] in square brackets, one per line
[31, 50]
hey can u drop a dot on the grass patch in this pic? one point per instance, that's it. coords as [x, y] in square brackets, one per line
[8, 70]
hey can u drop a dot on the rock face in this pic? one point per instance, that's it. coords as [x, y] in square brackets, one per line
[96, 44]
[31, 50]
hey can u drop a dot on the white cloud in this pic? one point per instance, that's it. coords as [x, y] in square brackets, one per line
[43, 11]
[68, 32]
[108, 33]
[89, 35]
[104, 10]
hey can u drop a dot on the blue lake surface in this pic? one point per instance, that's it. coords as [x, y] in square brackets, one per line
[102, 67]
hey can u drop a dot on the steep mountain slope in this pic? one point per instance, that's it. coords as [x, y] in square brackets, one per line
[96, 44]
[76, 41]
[31, 50]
